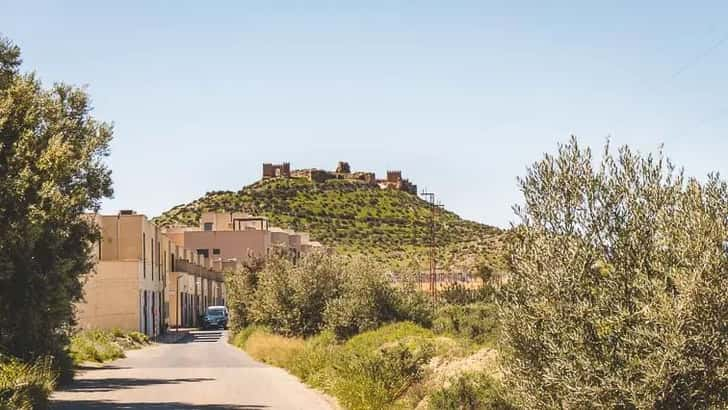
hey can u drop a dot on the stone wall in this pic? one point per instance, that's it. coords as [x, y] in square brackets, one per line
[394, 179]
[277, 170]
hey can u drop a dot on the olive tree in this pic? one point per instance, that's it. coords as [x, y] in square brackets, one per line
[51, 172]
[618, 294]
[291, 298]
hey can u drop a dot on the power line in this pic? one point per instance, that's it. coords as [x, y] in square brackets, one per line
[700, 56]
[716, 45]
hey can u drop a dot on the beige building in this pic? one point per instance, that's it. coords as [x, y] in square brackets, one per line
[236, 237]
[130, 286]
[194, 285]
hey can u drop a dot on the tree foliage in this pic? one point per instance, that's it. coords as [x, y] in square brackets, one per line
[51, 171]
[617, 297]
[291, 299]
[321, 291]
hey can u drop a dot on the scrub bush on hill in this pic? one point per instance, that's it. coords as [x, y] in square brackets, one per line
[617, 296]
[353, 217]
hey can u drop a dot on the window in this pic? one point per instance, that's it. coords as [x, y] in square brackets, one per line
[144, 254]
[151, 251]
[159, 259]
[208, 226]
[216, 251]
[204, 252]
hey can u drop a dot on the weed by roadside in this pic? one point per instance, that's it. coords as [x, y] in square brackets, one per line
[98, 345]
[25, 385]
[389, 367]
[470, 391]
[274, 349]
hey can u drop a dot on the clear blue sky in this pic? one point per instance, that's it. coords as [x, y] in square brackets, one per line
[461, 96]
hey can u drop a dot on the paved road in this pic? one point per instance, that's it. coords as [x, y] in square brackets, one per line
[201, 372]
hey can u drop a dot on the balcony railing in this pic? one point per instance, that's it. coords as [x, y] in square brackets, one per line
[183, 265]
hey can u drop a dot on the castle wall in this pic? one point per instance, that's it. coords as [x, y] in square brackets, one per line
[393, 180]
[276, 170]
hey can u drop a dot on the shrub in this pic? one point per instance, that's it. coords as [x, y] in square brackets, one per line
[382, 368]
[241, 286]
[477, 322]
[128, 341]
[321, 291]
[617, 292]
[313, 364]
[25, 386]
[458, 294]
[470, 391]
[413, 305]
[99, 345]
[368, 300]
[376, 379]
[138, 338]
[373, 339]
[291, 299]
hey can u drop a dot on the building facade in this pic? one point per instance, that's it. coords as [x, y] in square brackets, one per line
[129, 286]
[234, 238]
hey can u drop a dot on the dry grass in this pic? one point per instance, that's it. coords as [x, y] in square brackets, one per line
[357, 371]
[273, 349]
[443, 368]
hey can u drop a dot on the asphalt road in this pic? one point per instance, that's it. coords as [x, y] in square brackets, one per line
[202, 371]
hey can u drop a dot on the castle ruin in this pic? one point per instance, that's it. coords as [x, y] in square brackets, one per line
[277, 170]
[394, 179]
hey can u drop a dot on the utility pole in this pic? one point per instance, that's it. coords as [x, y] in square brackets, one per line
[414, 261]
[430, 197]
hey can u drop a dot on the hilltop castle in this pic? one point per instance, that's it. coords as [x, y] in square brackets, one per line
[394, 179]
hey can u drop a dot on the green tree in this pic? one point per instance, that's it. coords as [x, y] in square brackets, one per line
[51, 172]
[291, 299]
[617, 296]
[240, 287]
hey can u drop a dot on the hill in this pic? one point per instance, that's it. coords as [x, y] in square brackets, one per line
[354, 218]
